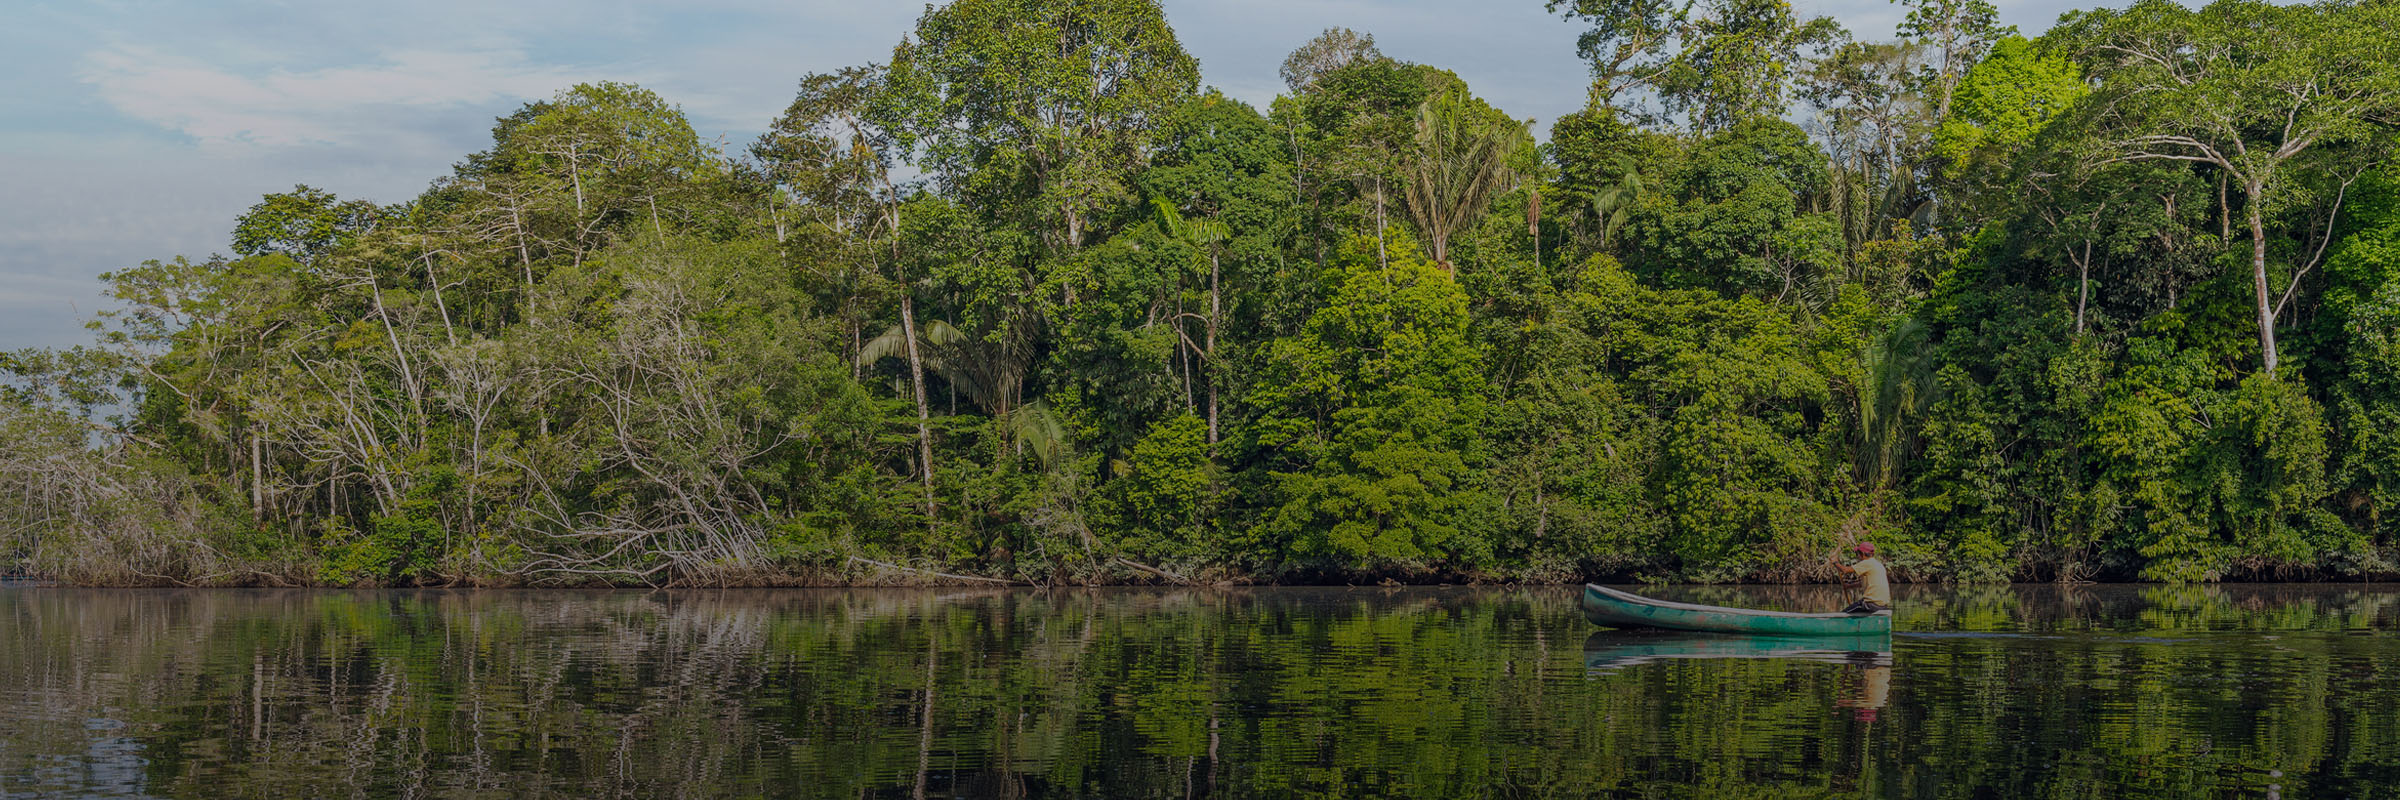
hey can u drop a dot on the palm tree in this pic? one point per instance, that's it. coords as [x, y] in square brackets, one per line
[1900, 388]
[989, 371]
[1460, 162]
[1613, 203]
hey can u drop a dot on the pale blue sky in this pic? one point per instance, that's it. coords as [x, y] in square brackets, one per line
[134, 129]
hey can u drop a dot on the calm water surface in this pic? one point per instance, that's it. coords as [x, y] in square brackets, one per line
[2098, 691]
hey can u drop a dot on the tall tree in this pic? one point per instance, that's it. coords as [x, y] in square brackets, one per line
[1630, 44]
[305, 223]
[1334, 49]
[836, 165]
[1713, 62]
[1738, 61]
[1872, 124]
[1351, 128]
[1957, 33]
[1036, 111]
[2004, 100]
[2261, 92]
[1207, 237]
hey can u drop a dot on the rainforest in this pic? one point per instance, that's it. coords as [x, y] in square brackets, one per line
[1028, 303]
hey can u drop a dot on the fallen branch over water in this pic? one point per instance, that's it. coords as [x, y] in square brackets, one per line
[937, 573]
[1181, 580]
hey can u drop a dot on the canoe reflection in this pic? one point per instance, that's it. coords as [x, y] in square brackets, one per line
[1616, 649]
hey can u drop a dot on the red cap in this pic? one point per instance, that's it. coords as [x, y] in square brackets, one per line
[1864, 549]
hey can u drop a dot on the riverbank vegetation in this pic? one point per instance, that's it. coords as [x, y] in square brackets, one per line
[1028, 303]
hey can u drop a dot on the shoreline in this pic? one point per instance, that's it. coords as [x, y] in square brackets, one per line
[1227, 586]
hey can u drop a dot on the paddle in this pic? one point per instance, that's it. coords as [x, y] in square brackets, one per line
[1844, 538]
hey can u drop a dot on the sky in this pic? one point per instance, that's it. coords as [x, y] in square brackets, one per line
[140, 129]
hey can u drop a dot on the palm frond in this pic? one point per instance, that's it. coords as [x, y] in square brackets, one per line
[1899, 389]
[940, 333]
[1460, 164]
[1036, 427]
[892, 343]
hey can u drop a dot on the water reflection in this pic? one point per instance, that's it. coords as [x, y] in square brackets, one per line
[1874, 688]
[1998, 691]
[1615, 649]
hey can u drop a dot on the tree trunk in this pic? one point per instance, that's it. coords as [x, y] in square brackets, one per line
[1066, 289]
[1533, 221]
[775, 212]
[516, 216]
[408, 377]
[2224, 210]
[1183, 351]
[2258, 272]
[1381, 259]
[2083, 297]
[916, 379]
[2083, 291]
[438, 302]
[1213, 367]
[258, 476]
[575, 175]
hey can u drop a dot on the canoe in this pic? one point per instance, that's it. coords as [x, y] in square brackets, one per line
[1615, 609]
[1607, 650]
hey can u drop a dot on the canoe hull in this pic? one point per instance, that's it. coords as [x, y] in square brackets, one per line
[1616, 609]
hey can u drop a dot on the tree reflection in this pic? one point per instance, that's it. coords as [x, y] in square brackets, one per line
[2030, 691]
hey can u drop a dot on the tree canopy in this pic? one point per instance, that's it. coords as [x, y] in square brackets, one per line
[1029, 303]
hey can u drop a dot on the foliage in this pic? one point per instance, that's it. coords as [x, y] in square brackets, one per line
[1731, 216]
[1369, 416]
[2004, 101]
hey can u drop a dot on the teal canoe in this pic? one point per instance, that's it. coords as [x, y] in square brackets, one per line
[1613, 649]
[1615, 609]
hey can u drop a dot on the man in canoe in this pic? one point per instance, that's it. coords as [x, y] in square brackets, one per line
[1874, 584]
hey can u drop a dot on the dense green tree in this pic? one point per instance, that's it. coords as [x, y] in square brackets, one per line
[304, 223]
[1037, 111]
[1739, 60]
[1732, 216]
[2003, 101]
[1368, 417]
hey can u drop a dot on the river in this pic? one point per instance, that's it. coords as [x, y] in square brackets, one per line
[2024, 691]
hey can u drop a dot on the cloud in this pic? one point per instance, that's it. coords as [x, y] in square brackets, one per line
[105, 203]
[339, 106]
